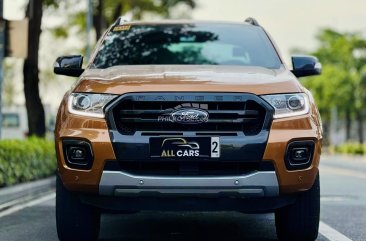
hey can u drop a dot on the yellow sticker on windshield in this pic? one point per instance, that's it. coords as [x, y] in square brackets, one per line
[122, 28]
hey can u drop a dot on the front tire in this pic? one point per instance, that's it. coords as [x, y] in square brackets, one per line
[300, 221]
[74, 220]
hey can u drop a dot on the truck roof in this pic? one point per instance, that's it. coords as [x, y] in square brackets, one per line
[122, 21]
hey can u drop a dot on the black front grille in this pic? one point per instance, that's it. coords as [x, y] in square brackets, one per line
[227, 113]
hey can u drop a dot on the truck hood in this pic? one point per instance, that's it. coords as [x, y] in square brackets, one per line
[190, 78]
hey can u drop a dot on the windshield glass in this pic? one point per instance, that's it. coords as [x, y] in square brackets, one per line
[186, 44]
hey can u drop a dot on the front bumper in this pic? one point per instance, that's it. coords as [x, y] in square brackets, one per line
[95, 131]
[258, 184]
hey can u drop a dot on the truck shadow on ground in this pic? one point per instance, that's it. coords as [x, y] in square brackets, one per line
[154, 226]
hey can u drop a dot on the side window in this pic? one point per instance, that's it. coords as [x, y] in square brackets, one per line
[10, 120]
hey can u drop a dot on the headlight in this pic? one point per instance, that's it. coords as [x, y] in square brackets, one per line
[287, 105]
[89, 104]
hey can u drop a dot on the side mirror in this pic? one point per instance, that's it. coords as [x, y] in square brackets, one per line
[306, 66]
[70, 65]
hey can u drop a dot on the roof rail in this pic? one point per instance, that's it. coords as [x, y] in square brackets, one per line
[122, 19]
[252, 21]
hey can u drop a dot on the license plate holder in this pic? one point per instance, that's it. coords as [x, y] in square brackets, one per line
[184, 147]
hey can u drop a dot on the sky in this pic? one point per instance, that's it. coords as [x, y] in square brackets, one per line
[13, 9]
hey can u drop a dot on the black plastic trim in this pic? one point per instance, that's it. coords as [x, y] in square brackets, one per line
[252, 21]
[78, 143]
[303, 143]
[133, 204]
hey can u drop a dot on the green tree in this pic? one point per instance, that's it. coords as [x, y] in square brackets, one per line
[341, 85]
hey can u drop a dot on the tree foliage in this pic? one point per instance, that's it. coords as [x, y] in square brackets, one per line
[114, 9]
[107, 11]
[343, 82]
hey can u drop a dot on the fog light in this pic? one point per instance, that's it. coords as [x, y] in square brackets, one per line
[299, 154]
[78, 154]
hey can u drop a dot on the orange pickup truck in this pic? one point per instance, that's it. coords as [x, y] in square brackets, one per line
[187, 115]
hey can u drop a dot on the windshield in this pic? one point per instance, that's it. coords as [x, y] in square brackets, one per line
[186, 44]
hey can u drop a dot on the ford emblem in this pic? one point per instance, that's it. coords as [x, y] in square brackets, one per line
[189, 116]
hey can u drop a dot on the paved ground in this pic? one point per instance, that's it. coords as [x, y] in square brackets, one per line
[343, 183]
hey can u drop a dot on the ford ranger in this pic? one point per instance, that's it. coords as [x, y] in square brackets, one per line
[187, 116]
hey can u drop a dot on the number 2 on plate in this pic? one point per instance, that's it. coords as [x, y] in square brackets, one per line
[215, 147]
